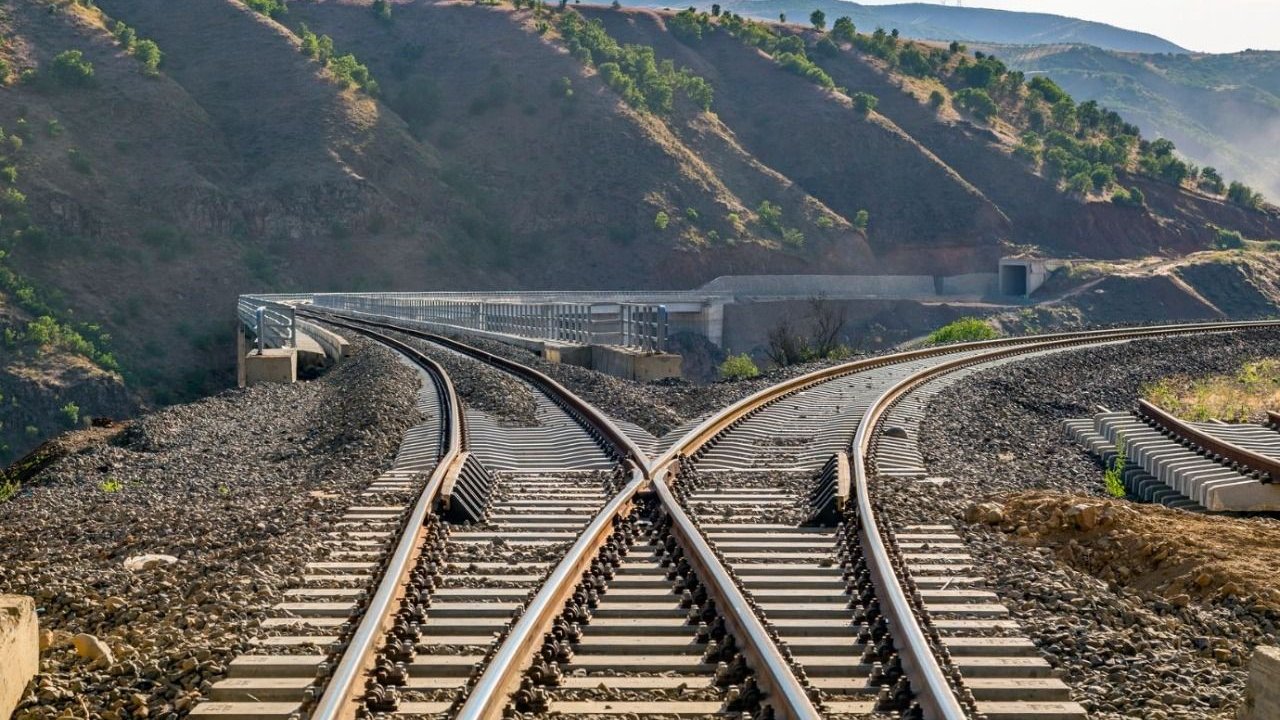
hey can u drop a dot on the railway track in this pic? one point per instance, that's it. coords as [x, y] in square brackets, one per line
[713, 579]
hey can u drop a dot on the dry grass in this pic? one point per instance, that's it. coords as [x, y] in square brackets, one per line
[1244, 396]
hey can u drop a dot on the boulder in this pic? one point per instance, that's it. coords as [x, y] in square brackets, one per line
[90, 647]
[148, 562]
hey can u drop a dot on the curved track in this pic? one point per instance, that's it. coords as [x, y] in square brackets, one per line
[715, 578]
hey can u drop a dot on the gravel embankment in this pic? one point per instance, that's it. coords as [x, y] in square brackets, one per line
[1126, 649]
[239, 488]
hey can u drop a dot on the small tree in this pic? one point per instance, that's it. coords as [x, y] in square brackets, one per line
[864, 103]
[715, 10]
[937, 99]
[782, 17]
[844, 30]
[70, 69]
[1211, 181]
[861, 220]
[978, 102]
[148, 53]
[785, 346]
[818, 20]
[1244, 196]
[828, 321]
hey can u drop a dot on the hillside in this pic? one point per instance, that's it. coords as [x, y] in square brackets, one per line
[1221, 110]
[927, 21]
[142, 187]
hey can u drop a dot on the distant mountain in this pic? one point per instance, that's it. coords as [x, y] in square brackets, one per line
[1220, 110]
[937, 22]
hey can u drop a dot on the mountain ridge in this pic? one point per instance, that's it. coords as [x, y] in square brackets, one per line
[945, 23]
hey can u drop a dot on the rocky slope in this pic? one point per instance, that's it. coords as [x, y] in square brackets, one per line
[489, 157]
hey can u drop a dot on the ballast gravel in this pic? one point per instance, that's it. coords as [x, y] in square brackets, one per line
[481, 386]
[1126, 652]
[660, 406]
[234, 490]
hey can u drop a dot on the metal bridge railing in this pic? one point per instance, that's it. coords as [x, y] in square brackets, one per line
[270, 323]
[631, 325]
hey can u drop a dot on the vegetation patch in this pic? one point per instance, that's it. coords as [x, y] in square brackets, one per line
[738, 367]
[632, 71]
[345, 69]
[1244, 396]
[966, 329]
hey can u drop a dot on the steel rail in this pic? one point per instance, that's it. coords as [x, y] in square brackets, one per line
[1246, 459]
[785, 694]
[336, 702]
[502, 676]
[712, 427]
[933, 692]
[586, 412]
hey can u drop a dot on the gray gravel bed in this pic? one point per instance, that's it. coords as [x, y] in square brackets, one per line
[483, 387]
[659, 406]
[239, 488]
[1125, 653]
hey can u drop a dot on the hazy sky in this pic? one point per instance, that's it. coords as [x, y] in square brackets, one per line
[1204, 25]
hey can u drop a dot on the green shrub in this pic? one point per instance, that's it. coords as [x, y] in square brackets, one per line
[382, 10]
[738, 367]
[937, 99]
[562, 88]
[825, 222]
[661, 220]
[792, 237]
[79, 162]
[691, 214]
[798, 63]
[1244, 196]
[864, 103]
[770, 214]
[978, 102]
[1228, 239]
[111, 485]
[126, 35]
[1132, 197]
[148, 53]
[966, 329]
[5, 71]
[632, 71]
[1113, 476]
[70, 414]
[12, 201]
[70, 69]
[861, 220]
[270, 8]
[53, 128]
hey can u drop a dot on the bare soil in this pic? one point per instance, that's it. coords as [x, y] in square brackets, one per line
[1177, 555]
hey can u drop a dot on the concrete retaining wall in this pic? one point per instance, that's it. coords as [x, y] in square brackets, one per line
[19, 649]
[632, 365]
[1262, 695]
[334, 345]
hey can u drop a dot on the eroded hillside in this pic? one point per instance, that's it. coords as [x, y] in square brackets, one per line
[484, 146]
